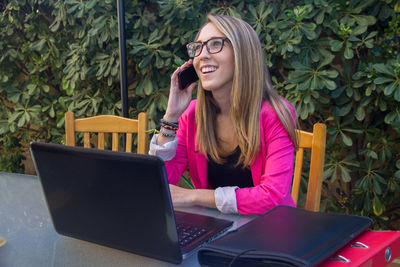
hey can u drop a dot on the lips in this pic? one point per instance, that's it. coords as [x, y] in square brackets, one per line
[208, 69]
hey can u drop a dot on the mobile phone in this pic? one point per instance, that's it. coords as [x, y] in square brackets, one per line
[187, 77]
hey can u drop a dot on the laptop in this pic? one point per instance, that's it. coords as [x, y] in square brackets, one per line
[120, 200]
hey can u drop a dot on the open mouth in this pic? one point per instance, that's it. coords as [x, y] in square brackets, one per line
[208, 69]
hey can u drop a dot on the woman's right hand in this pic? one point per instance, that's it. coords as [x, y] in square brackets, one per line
[178, 100]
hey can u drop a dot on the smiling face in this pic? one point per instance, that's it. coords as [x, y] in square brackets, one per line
[215, 71]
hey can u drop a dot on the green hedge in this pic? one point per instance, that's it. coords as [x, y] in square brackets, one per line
[337, 61]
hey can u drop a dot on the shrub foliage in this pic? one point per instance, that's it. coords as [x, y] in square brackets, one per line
[337, 61]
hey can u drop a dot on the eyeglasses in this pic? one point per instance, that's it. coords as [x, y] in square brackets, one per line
[214, 45]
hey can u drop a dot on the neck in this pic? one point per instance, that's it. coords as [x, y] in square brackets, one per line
[223, 100]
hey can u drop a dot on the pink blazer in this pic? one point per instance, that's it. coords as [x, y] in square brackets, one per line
[272, 171]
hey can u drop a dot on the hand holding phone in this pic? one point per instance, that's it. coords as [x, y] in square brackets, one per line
[187, 77]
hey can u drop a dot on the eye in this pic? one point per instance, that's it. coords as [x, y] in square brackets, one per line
[197, 46]
[217, 43]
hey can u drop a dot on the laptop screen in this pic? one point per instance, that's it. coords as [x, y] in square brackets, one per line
[112, 198]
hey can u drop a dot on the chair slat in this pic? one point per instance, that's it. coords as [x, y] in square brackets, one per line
[297, 174]
[100, 141]
[107, 124]
[128, 145]
[69, 129]
[115, 141]
[142, 134]
[86, 139]
[316, 168]
[316, 142]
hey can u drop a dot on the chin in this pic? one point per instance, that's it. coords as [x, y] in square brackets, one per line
[207, 86]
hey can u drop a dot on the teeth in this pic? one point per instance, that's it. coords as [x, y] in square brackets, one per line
[208, 69]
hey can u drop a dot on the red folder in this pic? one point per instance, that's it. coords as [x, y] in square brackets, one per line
[373, 248]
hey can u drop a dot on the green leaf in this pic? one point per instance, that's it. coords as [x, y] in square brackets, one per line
[164, 53]
[360, 113]
[384, 69]
[365, 20]
[46, 88]
[390, 117]
[390, 88]
[336, 45]
[328, 173]
[369, 44]
[154, 36]
[52, 113]
[331, 73]
[327, 60]
[377, 206]
[300, 67]
[148, 87]
[352, 38]
[31, 86]
[377, 187]
[91, 4]
[383, 79]
[21, 121]
[397, 94]
[346, 140]
[145, 61]
[343, 110]
[14, 116]
[331, 85]
[305, 85]
[313, 84]
[38, 45]
[320, 17]
[345, 174]
[348, 53]
[360, 29]
[357, 131]
[372, 154]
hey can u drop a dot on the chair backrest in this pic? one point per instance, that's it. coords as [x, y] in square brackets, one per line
[107, 124]
[315, 141]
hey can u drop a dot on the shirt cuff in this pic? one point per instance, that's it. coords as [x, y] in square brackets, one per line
[225, 199]
[165, 152]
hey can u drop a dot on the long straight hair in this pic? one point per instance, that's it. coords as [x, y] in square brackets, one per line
[251, 85]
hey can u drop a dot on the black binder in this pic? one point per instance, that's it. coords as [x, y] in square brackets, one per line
[284, 236]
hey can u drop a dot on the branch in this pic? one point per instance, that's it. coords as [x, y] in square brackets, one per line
[44, 15]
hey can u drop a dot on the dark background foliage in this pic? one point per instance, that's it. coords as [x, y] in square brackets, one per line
[337, 61]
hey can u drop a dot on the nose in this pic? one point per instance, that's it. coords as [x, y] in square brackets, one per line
[204, 52]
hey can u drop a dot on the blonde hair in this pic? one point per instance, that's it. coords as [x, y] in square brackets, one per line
[251, 85]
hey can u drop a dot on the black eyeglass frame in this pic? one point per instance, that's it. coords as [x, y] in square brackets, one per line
[205, 43]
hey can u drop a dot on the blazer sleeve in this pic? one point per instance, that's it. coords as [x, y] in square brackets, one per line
[277, 171]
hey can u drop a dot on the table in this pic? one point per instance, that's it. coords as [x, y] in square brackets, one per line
[32, 241]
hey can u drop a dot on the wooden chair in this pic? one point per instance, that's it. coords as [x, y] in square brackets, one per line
[107, 124]
[315, 141]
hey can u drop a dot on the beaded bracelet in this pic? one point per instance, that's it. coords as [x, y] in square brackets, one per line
[172, 124]
[165, 126]
[167, 134]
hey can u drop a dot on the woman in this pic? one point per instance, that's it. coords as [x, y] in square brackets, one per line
[238, 137]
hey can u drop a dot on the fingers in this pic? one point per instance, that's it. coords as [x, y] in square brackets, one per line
[191, 87]
[183, 66]
[187, 64]
[174, 77]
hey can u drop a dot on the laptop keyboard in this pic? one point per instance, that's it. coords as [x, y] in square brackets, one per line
[187, 233]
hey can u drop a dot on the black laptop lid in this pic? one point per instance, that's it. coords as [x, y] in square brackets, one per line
[112, 198]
